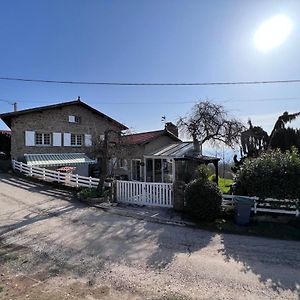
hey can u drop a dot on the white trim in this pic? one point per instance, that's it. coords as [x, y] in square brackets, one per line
[29, 138]
[67, 139]
[56, 139]
[88, 140]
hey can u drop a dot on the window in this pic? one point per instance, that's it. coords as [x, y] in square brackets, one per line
[74, 119]
[136, 169]
[42, 139]
[76, 140]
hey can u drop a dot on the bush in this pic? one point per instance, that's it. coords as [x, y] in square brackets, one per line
[202, 172]
[203, 200]
[272, 175]
[92, 193]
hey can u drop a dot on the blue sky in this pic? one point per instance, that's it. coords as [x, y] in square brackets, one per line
[148, 41]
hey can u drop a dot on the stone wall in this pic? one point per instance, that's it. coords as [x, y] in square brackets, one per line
[56, 120]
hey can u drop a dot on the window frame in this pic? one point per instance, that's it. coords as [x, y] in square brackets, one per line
[77, 119]
[76, 138]
[43, 138]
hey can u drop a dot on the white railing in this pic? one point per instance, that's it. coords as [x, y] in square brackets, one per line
[55, 176]
[267, 205]
[145, 193]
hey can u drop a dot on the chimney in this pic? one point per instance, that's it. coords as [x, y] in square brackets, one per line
[197, 145]
[15, 106]
[171, 128]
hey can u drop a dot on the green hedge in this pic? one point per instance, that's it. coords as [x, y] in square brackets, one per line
[272, 175]
[203, 199]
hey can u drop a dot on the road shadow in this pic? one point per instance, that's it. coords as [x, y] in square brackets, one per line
[172, 240]
[35, 186]
[46, 207]
[276, 263]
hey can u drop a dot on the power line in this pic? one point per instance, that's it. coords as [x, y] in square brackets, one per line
[120, 101]
[151, 84]
[7, 101]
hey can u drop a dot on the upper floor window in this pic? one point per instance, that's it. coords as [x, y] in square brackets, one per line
[76, 140]
[74, 119]
[43, 139]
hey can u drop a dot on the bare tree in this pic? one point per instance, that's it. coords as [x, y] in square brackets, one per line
[110, 148]
[210, 122]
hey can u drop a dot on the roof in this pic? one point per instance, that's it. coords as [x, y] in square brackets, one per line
[57, 159]
[146, 137]
[183, 150]
[7, 116]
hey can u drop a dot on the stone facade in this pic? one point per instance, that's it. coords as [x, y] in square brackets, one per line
[56, 120]
[147, 149]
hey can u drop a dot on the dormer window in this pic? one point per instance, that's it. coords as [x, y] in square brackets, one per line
[74, 119]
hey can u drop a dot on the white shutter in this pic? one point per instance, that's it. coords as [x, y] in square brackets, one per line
[29, 138]
[88, 140]
[67, 139]
[56, 139]
[72, 119]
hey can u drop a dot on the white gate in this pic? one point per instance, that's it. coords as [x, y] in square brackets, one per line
[145, 193]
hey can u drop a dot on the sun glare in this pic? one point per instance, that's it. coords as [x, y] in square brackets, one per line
[272, 33]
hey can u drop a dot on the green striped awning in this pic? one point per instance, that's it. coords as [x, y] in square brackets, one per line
[57, 159]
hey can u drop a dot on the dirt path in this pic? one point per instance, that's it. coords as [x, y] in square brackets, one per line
[53, 247]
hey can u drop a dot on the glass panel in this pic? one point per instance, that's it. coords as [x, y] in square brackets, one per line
[79, 140]
[47, 139]
[157, 170]
[39, 139]
[149, 170]
[136, 170]
[73, 139]
[167, 167]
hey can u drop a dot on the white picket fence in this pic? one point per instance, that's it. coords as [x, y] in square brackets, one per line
[266, 205]
[145, 193]
[148, 193]
[50, 175]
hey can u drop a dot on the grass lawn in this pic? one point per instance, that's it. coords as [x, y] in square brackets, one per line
[224, 184]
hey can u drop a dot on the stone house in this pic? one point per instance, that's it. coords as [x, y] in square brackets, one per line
[58, 135]
[143, 144]
[160, 156]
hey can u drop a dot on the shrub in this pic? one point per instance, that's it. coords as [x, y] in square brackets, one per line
[202, 172]
[203, 200]
[92, 193]
[272, 175]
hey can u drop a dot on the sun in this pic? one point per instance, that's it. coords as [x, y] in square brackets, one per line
[272, 33]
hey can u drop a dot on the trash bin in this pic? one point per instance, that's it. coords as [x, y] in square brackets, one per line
[242, 206]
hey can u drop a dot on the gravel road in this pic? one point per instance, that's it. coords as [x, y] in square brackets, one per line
[51, 231]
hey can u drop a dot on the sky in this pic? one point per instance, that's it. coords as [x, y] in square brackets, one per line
[149, 41]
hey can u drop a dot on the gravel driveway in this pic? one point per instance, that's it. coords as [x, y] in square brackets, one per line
[107, 256]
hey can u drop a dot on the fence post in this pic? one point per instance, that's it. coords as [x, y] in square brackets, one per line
[58, 176]
[13, 164]
[44, 173]
[177, 193]
[30, 171]
[21, 167]
[297, 212]
[255, 206]
[90, 181]
[77, 183]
